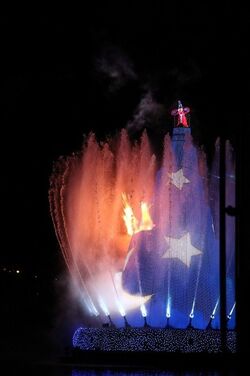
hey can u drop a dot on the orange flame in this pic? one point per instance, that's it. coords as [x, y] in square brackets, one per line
[130, 220]
[146, 220]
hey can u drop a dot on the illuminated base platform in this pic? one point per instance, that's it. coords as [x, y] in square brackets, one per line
[152, 340]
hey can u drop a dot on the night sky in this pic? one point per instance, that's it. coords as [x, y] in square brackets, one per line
[63, 76]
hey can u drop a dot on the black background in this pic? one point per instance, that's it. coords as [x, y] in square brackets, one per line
[57, 85]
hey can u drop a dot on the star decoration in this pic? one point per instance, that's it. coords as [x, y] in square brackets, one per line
[181, 249]
[178, 179]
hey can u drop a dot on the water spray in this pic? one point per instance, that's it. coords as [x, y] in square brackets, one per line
[209, 325]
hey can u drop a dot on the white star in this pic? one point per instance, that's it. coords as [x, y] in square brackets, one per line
[181, 249]
[178, 179]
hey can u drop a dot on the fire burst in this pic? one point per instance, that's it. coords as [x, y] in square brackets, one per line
[130, 220]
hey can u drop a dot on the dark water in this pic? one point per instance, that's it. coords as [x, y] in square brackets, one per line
[135, 373]
[70, 370]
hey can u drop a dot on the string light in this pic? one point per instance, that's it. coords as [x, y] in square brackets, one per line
[154, 339]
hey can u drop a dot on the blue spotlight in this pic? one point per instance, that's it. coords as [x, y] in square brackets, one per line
[144, 315]
[111, 322]
[120, 308]
[103, 306]
[209, 325]
[168, 312]
[143, 310]
[168, 308]
[229, 316]
[126, 322]
[168, 326]
[191, 316]
[145, 322]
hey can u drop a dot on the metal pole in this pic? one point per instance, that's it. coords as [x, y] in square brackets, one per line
[238, 191]
[223, 294]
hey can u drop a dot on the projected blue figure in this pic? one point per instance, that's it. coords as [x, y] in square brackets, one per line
[178, 261]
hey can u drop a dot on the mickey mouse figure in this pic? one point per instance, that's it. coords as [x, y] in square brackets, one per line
[181, 113]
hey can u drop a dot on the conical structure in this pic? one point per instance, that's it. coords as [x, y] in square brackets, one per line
[177, 262]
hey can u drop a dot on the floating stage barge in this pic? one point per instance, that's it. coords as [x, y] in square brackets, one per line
[152, 339]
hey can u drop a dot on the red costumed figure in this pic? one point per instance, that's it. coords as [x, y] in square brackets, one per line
[181, 113]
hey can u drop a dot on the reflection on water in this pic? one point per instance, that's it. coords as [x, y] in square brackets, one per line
[72, 370]
[139, 373]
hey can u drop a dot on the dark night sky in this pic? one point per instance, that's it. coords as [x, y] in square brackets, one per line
[57, 84]
[63, 76]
